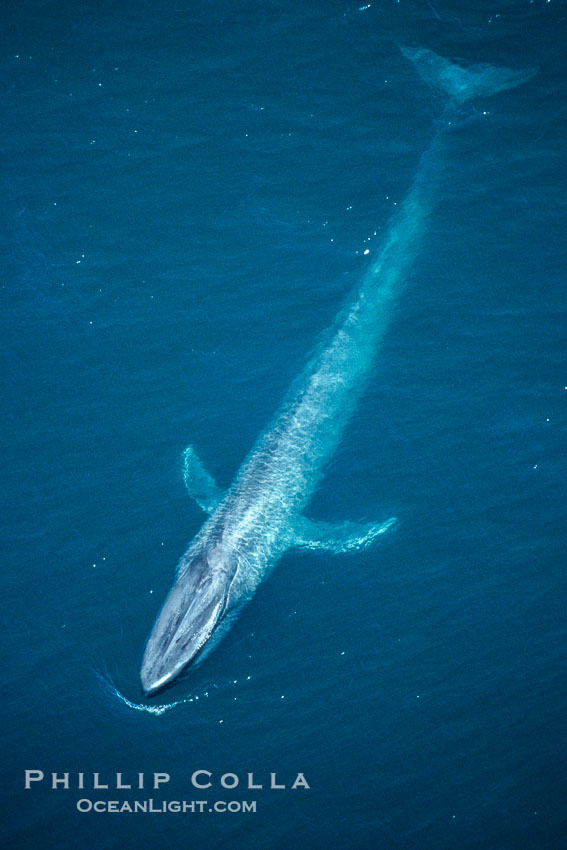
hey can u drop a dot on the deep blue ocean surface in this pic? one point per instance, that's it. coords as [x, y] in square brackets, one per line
[188, 192]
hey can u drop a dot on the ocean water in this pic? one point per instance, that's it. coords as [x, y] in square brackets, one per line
[188, 192]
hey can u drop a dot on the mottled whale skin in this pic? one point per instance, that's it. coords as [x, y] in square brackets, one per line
[262, 514]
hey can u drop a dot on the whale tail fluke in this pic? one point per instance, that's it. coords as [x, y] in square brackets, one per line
[462, 84]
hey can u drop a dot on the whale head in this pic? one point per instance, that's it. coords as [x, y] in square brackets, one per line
[191, 612]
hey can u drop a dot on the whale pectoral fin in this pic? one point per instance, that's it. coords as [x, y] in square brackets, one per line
[340, 537]
[201, 486]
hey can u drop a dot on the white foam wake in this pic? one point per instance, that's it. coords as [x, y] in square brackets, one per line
[158, 710]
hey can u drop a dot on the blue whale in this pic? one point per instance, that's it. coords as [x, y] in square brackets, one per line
[261, 515]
